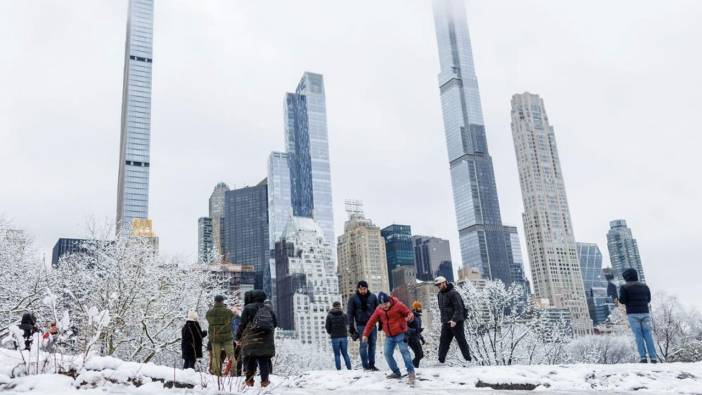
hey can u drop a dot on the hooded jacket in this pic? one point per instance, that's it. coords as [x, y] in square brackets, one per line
[191, 340]
[451, 305]
[393, 320]
[255, 343]
[634, 295]
[336, 323]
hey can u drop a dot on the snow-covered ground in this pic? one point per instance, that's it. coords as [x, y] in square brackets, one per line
[100, 375]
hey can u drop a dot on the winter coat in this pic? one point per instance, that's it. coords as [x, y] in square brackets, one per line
[634, 295]
[219, 319]
[393, 320]
[235, 323]
[191, 340]
[414, 327]
[336, 323]
[360, 308]
[29, 327]
[451, 305]
[255, 342]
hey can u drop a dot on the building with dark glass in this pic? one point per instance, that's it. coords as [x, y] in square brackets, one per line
[594, 282]
[623, 250]
[432, 257]
[398, 248]
[68, 246]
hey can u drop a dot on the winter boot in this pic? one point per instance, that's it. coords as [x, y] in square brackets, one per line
[410, 378]
[265, 383]
[643, 360]
[394, 375]
[654, 361]
[372, 368]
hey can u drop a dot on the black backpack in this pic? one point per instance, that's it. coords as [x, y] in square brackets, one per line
[263, 320]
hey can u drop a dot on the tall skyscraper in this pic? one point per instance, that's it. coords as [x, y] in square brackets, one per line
[432, 257]
[135, 140]
[623, 250]
[246, 230]
[205, 240]
[279, 211]
[514, 252]
[307, 147]
[398, 248]
[549, 232]
[480, 230]
[594, 282]
[361, 254]
[216, 213]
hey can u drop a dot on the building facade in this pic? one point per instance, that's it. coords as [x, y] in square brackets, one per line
[135, 137]
[481, 234]
[246, 229]
[623, 250]
[549, 231]
[205, 241]
[279, 210]
[216, 213]
[361, 254]
[432, 257]
[594, 282]
[65, 246]
[398, 248]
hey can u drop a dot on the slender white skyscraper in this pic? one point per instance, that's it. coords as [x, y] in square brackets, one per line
[135, 141]
[549, 233]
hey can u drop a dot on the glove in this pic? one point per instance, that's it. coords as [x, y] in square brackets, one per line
[422, 339]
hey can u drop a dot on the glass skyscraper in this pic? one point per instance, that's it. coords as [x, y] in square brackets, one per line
[481, 234]
[432, 257]
[594, 282]
[623, 250]
[205, 240]
[398, 248]
[279, 212]
[217, 215]
[135, 140]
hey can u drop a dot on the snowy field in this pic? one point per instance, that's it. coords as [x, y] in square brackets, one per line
[101, 375]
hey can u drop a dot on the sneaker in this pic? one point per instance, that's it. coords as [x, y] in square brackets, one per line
[393, 376]
[410, 378]
[265, 383]
[249, 382]
[643, 360]
[654, 361]
[373, 369]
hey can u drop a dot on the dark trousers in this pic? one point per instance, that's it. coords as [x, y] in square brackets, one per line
[264, 366]
[189, 364]
[416, 346]
[447, 335]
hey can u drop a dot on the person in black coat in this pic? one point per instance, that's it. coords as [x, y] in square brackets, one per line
[29, 327]
[360, 307]
[336, 328]
[414, 333]
[257, 343]
[636, 296]
[453, 313]
[191, 340]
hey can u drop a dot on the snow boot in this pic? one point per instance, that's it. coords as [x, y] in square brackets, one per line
[411, 378]
[654, 361]
[643, 360]
[265, 383]
[372, 368]
[393, 376]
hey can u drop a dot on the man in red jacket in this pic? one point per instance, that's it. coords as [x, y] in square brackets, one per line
[393, 316]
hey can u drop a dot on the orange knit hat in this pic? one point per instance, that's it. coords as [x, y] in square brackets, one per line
[416, 305]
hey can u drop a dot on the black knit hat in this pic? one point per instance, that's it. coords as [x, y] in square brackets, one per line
[362, 284]
[219, 299]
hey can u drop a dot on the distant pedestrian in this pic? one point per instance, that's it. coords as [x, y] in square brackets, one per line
[414, 333]
[393, 316]
[191, 336]
[49, 338]
[453, 313]
[636, 296]
[219, 319]
[256, 337]
[29, 328]
[335, 325]
[361, 306]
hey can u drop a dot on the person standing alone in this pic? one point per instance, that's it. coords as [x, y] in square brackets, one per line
[336, 328]
[453, 313]
[361, 306]
[636, 296]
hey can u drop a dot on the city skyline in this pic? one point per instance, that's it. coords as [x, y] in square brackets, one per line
[579, 142]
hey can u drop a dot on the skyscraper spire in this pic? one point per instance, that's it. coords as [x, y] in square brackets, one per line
[135, 140]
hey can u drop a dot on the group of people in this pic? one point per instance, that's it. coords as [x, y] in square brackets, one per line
[47, 339]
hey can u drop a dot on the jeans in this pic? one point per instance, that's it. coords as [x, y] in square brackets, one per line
[390, 343]
[340, 345]
[447, 335]
[367, 350]
[264, 365]
[641, 326]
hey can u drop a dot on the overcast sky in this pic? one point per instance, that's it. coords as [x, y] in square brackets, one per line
[621, 81]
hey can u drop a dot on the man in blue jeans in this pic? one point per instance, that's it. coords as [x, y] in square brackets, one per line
[636, 296]
[361, 306]
[336, 328]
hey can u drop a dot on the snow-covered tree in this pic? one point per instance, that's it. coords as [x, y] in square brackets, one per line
[677, 331]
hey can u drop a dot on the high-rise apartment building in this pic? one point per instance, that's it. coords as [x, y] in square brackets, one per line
[623, 250]
[398, 248]
[361, 254]
[432, 257]
[205, 240]
[307, 146]
[216, 213]
[135, 139]
[246, 230]
[481, 234]
[549, 232]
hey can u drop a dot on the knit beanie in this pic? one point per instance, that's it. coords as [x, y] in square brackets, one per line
[192, 315]
[416, 305]
[383, 297]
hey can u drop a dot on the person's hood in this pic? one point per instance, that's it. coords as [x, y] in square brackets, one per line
[336, 311]
[28, 319]
[630, 275]
[449, 287]
[258, 296]
[247, 297]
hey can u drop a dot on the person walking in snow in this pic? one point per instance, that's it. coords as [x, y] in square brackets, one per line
[256, 337]
[191, 336]
[414, 333]
[393, 316]
[29, 328]
[636, 296]
[453, 313]
[360, 307]
[219, 319]
[335, 325]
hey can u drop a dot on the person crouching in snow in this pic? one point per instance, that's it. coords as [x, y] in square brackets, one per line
[191, 340]
[393, 316]
[414, 333]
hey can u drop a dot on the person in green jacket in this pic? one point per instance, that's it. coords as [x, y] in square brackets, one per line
[219, 319]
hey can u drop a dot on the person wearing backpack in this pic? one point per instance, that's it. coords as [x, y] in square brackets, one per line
[453, 313]
[256, 337]
[336, 328]
[219, 319]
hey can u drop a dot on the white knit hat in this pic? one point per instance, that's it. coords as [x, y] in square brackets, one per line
[192, 315]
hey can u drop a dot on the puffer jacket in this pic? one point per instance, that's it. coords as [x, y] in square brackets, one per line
[219, 319]
[451, 305]
[255, 343]
[336, 323]
[393, 320]
[634, 295]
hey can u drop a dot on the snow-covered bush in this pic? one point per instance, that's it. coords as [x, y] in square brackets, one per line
[677, 330]
[602, 349]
